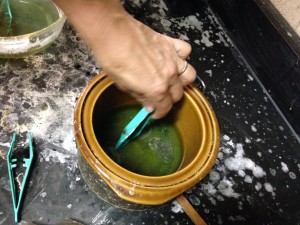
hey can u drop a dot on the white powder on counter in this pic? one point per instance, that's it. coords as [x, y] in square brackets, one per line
[232, 158]
[176, 207]
[240, 163]
[284, 167]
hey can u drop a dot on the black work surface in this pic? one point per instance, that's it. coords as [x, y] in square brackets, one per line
[255, 179]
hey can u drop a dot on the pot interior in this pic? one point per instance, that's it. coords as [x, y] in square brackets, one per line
[184, 126]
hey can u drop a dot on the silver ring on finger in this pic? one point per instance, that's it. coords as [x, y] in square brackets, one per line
[184, 68]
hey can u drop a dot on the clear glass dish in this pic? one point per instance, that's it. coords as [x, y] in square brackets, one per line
[35, 25]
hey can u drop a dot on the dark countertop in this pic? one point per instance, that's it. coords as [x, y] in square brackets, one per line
[256, 176]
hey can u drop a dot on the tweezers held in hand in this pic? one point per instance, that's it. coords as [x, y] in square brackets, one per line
[134, 128]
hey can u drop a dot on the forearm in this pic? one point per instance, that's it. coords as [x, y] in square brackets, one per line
[93, 19]
[141, 61]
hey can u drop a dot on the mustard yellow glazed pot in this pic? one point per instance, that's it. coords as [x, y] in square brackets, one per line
[194, 119]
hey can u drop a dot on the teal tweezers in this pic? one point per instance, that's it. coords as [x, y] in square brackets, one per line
[134, 128]
[8, 15]
[11, 163]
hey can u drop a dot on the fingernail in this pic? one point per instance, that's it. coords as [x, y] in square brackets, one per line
[149, 108]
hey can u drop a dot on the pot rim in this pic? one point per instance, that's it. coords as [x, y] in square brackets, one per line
[106, 167]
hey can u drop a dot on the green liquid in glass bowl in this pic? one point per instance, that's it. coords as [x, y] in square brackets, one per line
[28, 16]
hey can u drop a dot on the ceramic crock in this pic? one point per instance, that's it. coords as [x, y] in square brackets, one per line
[194, 119]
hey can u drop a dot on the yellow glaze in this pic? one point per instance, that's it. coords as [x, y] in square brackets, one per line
[195, 120]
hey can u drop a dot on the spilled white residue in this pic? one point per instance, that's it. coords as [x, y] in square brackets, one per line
[72, 186]
[191, 22]
[184, 37]
[272, 171]
[248, 179]
[253, 128]
[226, 188]
[241, 173]
[162, 7]
[69, 142]
[205, 39]
[258, 186]
[165, 22]
[237, 218]
[131, 190]
[195, 22]
[292, 175]
[176, 208]
[226, 137]
[232, 158]
[222, 37]
[209, 188]
[240, 205]
[284, 167]
[55, 156]
[5, 144]
[239, 162]
[258, 140]
[194, 199]
[250, 77]
[214, 176]
[102, 217]
[214, 95]
[247, 140]
[268, 187]
[209, 72]
[44, 116]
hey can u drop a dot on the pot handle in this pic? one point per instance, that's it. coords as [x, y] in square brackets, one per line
[199, 83]
[190, 210]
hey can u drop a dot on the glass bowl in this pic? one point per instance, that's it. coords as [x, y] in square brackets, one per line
[35, 25]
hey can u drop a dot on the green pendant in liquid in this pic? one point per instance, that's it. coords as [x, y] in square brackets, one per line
[156, 152]
[28, 16]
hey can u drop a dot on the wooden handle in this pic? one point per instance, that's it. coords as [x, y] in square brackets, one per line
[190, 211]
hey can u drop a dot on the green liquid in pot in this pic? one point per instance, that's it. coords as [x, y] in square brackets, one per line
[28, 16]
[156, 152]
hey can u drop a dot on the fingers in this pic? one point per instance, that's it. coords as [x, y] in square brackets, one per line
[167, 74]
[182, 48]
[176, 91]
[184, 68]
[187, 72]
[188, 76]
[163, 99]
[162, 108]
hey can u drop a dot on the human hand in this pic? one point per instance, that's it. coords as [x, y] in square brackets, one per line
[148, 65]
